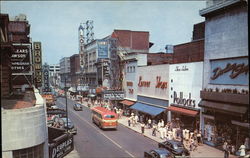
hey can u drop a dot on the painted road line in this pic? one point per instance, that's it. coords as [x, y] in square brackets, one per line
[100, 132]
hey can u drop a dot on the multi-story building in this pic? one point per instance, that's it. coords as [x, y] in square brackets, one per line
[225, 93]
[24, 128]
[21, 59]
[6, 51]
[75, 70]
[54, 71]
[185, 81]
[65, 72]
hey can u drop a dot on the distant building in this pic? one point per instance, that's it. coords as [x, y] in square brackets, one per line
[75, 70]
[54, 71]
[64, 71]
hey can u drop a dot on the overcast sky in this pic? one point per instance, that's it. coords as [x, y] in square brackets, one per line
[55, 23]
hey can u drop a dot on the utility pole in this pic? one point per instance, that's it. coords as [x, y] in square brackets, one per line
[65, 91]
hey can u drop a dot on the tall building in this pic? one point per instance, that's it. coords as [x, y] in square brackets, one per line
[24, 129]
[75, 70]
[225, 93]
[64, 72]
[54, 71]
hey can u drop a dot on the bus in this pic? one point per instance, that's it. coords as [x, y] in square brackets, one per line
[104, 118]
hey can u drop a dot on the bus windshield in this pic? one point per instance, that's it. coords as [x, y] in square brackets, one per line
[109, 116]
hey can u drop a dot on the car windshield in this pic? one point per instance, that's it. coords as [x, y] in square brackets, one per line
[176, 146]
[109, 116]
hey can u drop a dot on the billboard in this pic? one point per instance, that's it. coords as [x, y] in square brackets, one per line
[21, 59]
[113, 95]
[46, 84]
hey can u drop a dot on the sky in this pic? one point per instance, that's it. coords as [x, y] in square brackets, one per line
[55, 23]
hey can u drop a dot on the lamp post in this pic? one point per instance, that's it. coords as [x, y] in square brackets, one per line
[66, 103]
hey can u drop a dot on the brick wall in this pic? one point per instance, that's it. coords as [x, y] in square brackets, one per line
[159, 58]
[189, 52]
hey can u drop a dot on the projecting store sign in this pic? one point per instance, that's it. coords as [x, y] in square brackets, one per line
[113, 95]
[38, 63]
[46, 80]
[20, 59]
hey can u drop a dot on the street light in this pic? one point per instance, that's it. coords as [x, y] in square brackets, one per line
[65, 91]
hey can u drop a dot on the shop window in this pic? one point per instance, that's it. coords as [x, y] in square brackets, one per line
[32, 152]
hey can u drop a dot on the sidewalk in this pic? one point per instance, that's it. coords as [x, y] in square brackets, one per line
[202, 151]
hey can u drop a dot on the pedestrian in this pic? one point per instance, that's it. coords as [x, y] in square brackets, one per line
[161, 132]
[129, 121]
[199, 137]
[191, 144]
[165, 131]
[226, 150]
[133, 120]
[242, 150]
[136, 119]
[149, 123]
[142, 127]
[154, 130]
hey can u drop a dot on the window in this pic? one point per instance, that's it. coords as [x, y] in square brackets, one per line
[109, 116]
[32, 152]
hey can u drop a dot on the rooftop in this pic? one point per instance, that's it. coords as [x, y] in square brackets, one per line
[18, 101]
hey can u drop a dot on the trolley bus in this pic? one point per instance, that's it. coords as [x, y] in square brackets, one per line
[104, 118]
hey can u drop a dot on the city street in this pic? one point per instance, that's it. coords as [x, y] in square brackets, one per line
[90, 141]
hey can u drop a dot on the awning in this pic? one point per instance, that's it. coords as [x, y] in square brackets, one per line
[71, 89]
[224, 107]
[183, 111]
[149, 109]
[127, 102]
[91, 95]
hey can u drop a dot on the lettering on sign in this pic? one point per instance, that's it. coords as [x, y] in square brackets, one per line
[183, 101]
[62, 148]
[160, 84]
[114, 95]
[130, 91]
[183, 68]
[20, 59]
[143, 83]
[236, 69]
[130, 84]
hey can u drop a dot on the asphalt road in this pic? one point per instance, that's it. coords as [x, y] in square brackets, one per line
[90, 141]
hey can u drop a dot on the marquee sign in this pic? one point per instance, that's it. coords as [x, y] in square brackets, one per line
[37, 54]
[113, 95]
[46, 85]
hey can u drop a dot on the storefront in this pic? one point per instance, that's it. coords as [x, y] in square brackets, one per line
[185, 83]
[124, 105]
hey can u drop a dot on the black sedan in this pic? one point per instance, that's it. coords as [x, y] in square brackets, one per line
[70, 126]
[78, 107]
[175, 147]
[158, 153]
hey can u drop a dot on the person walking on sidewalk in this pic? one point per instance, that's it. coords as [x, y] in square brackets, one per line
[129, 121]
[154, 130]
[226, 150]
[142, 127]
[136, 119]
[149, 123]
[242, 151]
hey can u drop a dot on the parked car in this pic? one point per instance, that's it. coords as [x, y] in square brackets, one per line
[78, 107]
[175, 147]
[71, 128]
[158, 153]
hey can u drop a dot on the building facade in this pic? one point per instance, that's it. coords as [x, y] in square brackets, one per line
[225, 98]
[54, 71]
[152, 92]
[65, 72]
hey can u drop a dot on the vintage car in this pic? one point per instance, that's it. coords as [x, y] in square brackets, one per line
[158, 153]
[78, 107]
[71, 128]
[175, 147]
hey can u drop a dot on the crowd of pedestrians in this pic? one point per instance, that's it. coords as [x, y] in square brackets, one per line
[168, 130]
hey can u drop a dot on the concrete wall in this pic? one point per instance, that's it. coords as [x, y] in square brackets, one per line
[23, 128]
[226, 36]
